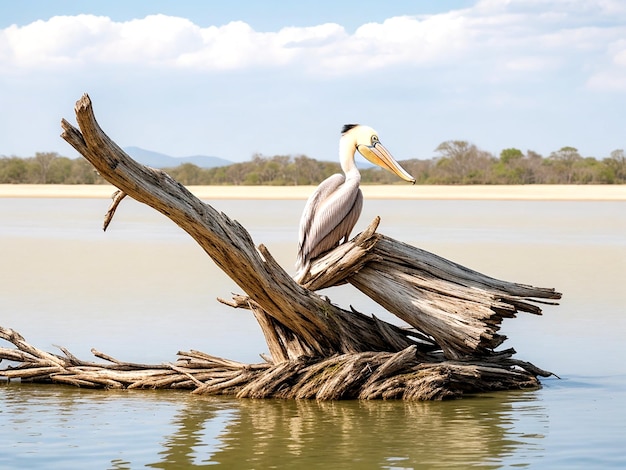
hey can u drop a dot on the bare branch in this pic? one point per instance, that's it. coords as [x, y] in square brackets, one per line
[318, 349]
[117, 198]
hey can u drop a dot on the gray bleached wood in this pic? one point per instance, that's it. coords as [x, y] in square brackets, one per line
[318, 350]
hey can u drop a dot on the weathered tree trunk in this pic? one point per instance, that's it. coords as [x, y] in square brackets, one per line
[317, 349]
[308, 324]
[461, 309]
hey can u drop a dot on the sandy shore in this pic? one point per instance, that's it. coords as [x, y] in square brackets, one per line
[527, 192]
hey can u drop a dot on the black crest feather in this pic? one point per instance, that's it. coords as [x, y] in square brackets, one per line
[347, 127]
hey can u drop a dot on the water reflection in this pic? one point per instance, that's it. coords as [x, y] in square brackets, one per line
[198, 427]
[64, 427]
[354, 434]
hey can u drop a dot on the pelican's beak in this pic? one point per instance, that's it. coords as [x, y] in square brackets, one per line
[379, 155]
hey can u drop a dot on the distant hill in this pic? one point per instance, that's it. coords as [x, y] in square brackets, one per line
[160, 160]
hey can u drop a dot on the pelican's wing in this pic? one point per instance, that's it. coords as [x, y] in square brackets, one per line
[329, 215]
[311, 209]
[349, 221]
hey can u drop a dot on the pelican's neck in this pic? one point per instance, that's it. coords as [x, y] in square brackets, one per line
[347, 150]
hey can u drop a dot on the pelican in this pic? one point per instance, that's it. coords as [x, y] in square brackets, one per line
[333, 209]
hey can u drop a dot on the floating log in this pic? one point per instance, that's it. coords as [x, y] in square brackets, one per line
[318, 350]
[363, 375]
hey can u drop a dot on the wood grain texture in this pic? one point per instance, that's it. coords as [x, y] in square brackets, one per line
[318, 350]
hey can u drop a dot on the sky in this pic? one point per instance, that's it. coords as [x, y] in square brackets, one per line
[234, 78]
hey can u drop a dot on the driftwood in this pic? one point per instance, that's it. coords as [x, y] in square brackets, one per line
[365, 375]
[318, 350]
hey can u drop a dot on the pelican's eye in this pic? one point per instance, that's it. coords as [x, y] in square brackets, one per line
[375, 139]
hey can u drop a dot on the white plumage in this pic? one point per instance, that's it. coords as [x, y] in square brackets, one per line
[333, 209]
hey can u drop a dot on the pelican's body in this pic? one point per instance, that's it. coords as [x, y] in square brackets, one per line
[333, 209]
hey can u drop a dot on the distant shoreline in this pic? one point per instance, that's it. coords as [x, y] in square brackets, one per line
[471, 192]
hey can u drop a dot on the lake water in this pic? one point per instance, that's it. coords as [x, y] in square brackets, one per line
[144, 290]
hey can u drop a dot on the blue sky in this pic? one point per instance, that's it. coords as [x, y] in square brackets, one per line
[234, 78]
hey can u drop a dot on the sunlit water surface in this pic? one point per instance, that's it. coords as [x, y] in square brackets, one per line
[144, 290]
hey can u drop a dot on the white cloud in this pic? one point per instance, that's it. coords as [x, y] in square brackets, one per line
[235, 46]
[612, 76]
[57, 41]
[313, 36]
[541, 74]
[523, 36]
[619, 53]
[407, 41]
[155, 39]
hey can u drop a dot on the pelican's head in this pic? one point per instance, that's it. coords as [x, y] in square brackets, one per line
[366, 141]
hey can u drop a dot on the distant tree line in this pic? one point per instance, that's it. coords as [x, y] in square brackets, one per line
[47, 167]
[457, 162]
